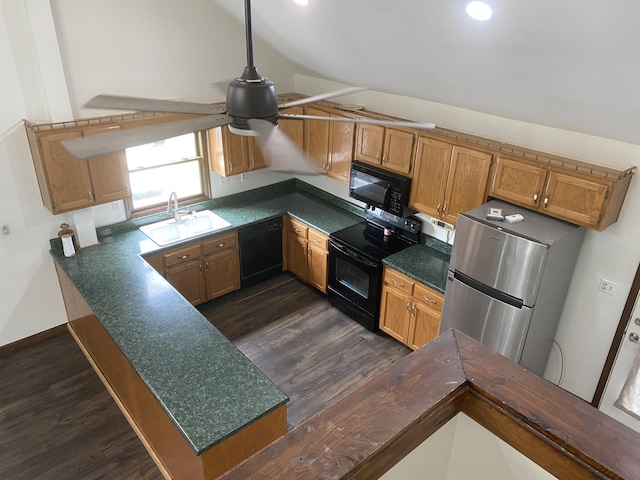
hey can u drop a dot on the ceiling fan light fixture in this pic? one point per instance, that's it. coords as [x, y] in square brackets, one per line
[251, 96]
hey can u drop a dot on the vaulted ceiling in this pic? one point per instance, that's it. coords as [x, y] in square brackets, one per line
[567, 64]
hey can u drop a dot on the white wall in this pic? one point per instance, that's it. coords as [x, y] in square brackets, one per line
[589, 318]
[463, 449]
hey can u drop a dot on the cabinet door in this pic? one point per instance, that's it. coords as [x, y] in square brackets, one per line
[574, 198]
[222, 273]
[369, 143]
[293, 129]
[430, 176]
[297, 256]
[317, 267]
[257, 158]
[467, 182]
[316, 139]
[341, 144]
[68, 178]
[518, 182]
[109, 173]
[236, 154]
[317, 255]
[397, 153]
[188, 279]
[395, 311]
[425, 319]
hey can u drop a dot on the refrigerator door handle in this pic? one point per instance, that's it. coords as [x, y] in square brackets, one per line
[491, 292]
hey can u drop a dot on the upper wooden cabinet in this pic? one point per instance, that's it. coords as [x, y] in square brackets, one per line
[329, 145]
[232, 154]
[391, 148]
[586, 196]
[448, 179]
[67, 183]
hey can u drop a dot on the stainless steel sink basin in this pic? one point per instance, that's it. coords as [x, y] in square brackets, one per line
[193, 225]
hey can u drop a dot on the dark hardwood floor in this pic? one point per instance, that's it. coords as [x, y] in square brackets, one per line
[313, 352]
[57, 420]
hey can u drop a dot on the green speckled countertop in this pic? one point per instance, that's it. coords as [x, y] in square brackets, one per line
[422, 263]
[206, 386]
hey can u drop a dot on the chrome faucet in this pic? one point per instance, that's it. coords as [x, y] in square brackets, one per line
[176, 211]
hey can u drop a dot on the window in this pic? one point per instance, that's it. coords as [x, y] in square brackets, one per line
[159, 168]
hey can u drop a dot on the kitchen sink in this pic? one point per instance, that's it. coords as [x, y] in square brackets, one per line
[195, 224]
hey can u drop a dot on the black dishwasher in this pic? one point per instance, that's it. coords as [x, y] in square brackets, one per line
[260, 251]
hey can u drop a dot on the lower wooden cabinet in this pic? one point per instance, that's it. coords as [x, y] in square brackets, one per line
[306, 252]
[221, 265]
[201, 271]
[409, 311]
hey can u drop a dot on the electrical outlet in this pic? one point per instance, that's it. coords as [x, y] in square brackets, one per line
[225, 181]
[5, 229]
[243, 177]
[607, 286]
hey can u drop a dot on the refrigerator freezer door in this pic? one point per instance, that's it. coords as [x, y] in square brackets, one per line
[492, 322]
[499, 259]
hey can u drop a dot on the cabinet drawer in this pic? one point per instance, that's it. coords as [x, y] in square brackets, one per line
[398, 281]
[298, 228]
[175, 257]
[318, 239]
[219, 242]
[426, 295]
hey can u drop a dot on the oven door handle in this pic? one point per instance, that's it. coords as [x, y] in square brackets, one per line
[353, 255]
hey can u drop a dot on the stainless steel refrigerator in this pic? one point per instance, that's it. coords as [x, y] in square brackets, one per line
[507, 282]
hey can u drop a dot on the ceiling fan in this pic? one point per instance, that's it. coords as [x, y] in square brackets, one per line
[251, 109]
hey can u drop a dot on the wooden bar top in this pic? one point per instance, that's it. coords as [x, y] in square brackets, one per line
[373, 428]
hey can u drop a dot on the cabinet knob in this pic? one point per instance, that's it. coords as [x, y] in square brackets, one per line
[546, 200]
[90, 196]
[409, 306]
[184, 257]
[221, 245]
[397, 283]
[535, 196]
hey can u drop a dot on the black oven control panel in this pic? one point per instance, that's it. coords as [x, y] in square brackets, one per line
[409, 224]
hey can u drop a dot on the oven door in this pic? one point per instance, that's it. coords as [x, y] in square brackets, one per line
[354, 277]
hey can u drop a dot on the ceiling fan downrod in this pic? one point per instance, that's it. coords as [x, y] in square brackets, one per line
[250, 95]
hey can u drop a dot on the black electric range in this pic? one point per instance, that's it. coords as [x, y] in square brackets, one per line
[355, 262]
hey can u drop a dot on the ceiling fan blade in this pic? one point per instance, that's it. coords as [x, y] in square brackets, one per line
[370, 121]
[139, 104]
[281, 154]
[323, 96]
[94, 145]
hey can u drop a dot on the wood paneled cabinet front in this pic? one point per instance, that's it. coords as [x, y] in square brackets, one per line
[201, 271]
[580, 198]
[232, 154]
[307, 253]
[221, 265]
[409, 311]
[391, 148]
[448, 179]
[68, 183]
[329, 145]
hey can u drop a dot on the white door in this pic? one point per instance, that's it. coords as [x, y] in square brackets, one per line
[624, 361]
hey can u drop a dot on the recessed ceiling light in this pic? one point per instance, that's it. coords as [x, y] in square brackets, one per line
[479, 11]
[304, 3]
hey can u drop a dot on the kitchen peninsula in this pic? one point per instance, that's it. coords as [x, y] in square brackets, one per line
[175, 377]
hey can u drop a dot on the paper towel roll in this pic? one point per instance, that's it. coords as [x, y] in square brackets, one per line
[67, 246]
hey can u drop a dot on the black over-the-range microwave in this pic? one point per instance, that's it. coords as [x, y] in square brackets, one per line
[379, 188]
